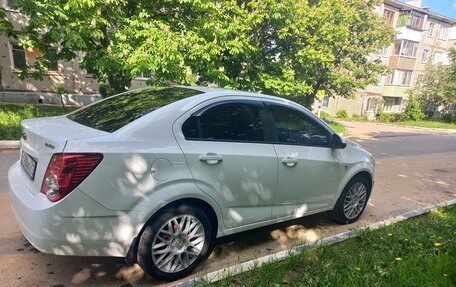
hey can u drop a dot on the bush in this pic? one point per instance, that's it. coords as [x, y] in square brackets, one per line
[448, 118]
[324, 115]
[356, 117]
[413, 112]
[383, 117]
[396, 117]
[105, 90]
[342, 114]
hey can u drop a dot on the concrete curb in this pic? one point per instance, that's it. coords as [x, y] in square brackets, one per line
[281, 255]
[9, 144]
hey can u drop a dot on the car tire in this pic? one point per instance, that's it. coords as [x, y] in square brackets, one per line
[174, 242]
[352, 201]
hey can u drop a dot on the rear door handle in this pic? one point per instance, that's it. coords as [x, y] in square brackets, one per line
[289, 161]
[211, 158]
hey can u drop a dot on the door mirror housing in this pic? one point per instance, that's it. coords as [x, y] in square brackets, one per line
[338, 142]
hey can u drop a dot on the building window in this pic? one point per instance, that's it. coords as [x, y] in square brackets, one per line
[406, 48]
[441, 58]
[9, 4]
[400, 77]
[371, 104]
[388, 105]
[389, 17]
[412, 19]
[425, 56]
[431, 30]
[52, 60]
[443, 33]
[18, 56]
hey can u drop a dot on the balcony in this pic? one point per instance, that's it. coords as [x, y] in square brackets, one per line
[412, 19]
[406, 33]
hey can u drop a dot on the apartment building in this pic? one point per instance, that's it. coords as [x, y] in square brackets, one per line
[422, 37]
[82, 87]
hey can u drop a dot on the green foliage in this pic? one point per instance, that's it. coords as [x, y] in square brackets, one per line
[324, 115]
[342, 114]
[418, 252]
[61, 90]
[383, 117]
[288, 48]
[448, 118]
[356, 117]
[397, 117]
[339, 128]
[12, 115]
[105, 90]
[433, 124]
[413, 111]
[5, 24]
[437, 86]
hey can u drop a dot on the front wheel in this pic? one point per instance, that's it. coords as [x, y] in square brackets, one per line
[175, 242]
[352, 201]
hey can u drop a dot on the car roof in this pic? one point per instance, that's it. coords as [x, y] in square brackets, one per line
[209, 92]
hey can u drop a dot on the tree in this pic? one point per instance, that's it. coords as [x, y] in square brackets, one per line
[61, 90]
[437, 86]
[291, 48]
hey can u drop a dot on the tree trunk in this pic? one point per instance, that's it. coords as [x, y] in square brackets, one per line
[61, 100]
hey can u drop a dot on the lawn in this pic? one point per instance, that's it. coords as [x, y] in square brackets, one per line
[339, 128]
[423, 123]
[11, 116]
[417, 252]
[427, 124]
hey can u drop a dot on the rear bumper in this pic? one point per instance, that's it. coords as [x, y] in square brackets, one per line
[76, 225]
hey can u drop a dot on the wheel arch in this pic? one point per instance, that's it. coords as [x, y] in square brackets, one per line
[363, 171]
[131, 256]
[367, 176]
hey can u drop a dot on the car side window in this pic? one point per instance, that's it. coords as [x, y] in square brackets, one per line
[294, 127]
[232, 121]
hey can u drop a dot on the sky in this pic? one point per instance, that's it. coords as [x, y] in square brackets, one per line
[442, 7]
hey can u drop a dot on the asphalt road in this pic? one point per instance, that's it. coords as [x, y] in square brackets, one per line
[415, 168]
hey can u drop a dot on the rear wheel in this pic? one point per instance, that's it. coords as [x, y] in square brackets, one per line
[175, 242]
[352, 201]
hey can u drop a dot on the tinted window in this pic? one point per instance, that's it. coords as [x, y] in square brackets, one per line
[117, 111]
[294, 127]
[230, 121]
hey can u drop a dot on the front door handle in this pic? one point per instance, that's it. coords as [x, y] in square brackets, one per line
[289, 161]
[211, 158]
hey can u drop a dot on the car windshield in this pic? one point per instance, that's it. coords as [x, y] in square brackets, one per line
[117, 111]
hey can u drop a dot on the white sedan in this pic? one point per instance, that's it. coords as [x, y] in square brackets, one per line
[155, 175]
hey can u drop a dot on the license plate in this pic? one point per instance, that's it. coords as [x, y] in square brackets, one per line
[28, 164]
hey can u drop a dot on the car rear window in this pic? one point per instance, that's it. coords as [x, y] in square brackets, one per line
[117, 111]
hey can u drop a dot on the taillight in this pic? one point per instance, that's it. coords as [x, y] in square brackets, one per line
[66, 171]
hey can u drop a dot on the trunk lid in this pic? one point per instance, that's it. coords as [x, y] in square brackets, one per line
[41, 138]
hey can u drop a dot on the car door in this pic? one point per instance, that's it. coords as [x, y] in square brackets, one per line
[309, 170]
[224, 146]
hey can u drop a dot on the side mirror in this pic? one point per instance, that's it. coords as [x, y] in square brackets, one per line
[338, 142]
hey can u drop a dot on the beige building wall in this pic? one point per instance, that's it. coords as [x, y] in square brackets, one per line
[82, 87]
[391, 90]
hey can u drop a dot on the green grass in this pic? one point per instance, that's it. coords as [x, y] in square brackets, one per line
[417, 252]
[339, 128]
[426, 124]
[11, 116]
